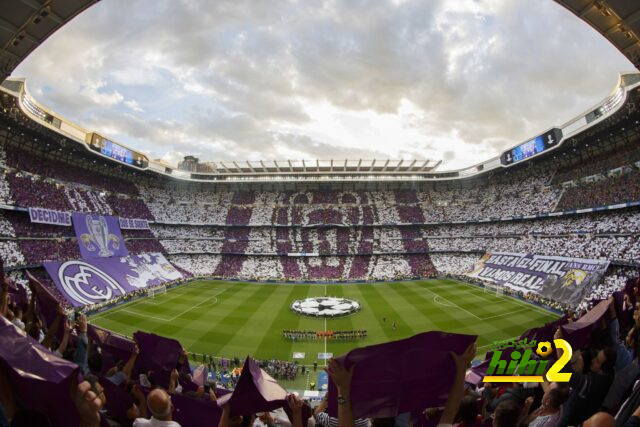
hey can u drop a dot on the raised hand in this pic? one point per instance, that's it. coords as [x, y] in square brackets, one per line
[87, 404]
[558, 334]
[463, 360]
[294, 402]
[340, 375]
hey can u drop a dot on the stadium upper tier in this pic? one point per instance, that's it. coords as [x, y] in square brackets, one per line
[597, 167]
[19, 106]
[308, 230]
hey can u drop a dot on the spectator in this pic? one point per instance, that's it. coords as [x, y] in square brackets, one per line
[160, 406]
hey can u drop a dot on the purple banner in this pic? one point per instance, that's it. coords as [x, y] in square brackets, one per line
[114, 347]
[98, 236]
[420, 375]
[160, 355]
[38, 379]
[97, 280]
[256, 391]
[49, 216]
[134, 224]
[578, 333]
[563, 279]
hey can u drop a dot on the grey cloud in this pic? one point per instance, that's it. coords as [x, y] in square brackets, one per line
[238, 73]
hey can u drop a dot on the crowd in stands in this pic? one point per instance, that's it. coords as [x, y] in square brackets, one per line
[599, 164]
[173, 207]
[605, 191]
[377, 234]
[10, 252]
[279, 368]
[121, 383]
[621, 248]
[82, 172]
[453, 264]
[283, 268]
[626, 221]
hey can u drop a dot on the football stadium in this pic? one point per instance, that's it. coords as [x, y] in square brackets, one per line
[186, 289]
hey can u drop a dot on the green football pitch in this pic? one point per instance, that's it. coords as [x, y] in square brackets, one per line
[235, 319]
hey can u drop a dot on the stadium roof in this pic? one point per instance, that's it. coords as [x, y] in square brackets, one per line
[616, 20]
[333, 166]
[25, 24]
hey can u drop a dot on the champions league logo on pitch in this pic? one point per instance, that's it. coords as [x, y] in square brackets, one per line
[87, 284]
[325, 306]
[98, 237]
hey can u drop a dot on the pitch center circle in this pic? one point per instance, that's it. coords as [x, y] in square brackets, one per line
[325, 306]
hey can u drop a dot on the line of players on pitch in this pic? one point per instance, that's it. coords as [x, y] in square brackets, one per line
[318, 335]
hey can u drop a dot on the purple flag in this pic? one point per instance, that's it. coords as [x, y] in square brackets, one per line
[118, 400]
[307, 412]
[401, 376]
[47, 303]
[544, 332]
[195, 412]
[200, 375]
[19, 296]
[39, 380]
[97, 280]
[158, 354]
[577, 333]
[17, 293]
[476, 374]
[114, 347]
[255, 392]
[98, 236]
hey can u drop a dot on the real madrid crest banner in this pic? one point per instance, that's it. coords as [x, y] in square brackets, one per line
[98, 236]
[563, 279]
[93, 281]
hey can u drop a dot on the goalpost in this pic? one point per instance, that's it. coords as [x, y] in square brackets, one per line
[151, 293]
[490, 288]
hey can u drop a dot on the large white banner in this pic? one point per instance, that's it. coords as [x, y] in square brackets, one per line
[563, 279]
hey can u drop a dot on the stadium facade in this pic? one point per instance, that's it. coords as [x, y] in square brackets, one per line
[570, 191]
[87, 223]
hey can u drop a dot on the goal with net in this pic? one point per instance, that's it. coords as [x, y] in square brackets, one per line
[493, 289]
[152, 293]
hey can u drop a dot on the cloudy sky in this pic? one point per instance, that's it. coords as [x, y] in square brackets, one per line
[457, 80]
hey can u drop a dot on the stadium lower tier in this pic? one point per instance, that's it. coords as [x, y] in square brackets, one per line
[285, 268]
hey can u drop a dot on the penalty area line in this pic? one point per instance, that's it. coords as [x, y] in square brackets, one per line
[453, 304]
[135, 313]
[506, 314]
[198, 305]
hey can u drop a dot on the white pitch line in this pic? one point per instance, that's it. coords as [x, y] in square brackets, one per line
[325, 342]
[325, 330]
[126, 310]
[174, 292]
[198, 305]
[143, 315]
[435, 299]
[506, 314]
[480, 295]
[514, 299]
[454, 304]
